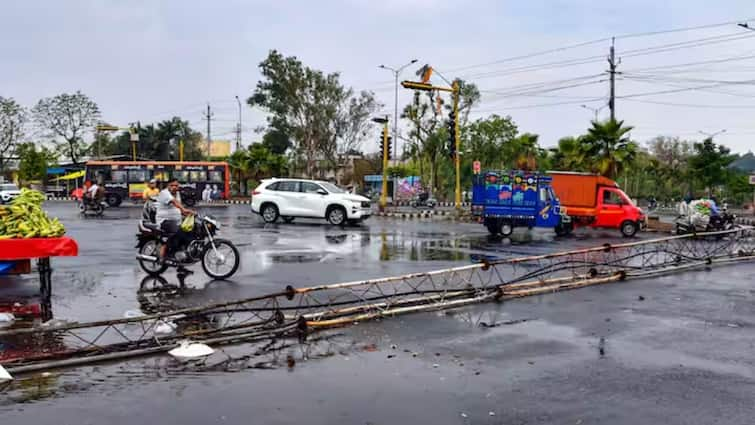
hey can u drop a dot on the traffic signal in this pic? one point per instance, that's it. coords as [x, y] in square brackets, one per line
[451, 134]
[390, 147]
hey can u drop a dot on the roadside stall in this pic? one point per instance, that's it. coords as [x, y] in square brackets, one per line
[26, 234]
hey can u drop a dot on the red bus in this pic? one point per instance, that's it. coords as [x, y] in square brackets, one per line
[127, 179]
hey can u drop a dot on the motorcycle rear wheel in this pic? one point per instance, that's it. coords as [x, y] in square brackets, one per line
[151, 248]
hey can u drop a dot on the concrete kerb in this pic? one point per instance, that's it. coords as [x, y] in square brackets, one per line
[427, 215]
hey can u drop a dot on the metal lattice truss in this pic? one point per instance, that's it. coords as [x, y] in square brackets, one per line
[296, 312]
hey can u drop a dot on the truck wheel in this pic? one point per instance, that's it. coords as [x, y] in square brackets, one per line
[507, 228]
[493, 225]
[113, 200]
[563, 229]
[628, 228]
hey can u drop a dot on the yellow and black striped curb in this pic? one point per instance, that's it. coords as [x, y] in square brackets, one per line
[436, 215]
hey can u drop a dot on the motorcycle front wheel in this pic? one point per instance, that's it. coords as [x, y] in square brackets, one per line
[221, 262]
[151, 248]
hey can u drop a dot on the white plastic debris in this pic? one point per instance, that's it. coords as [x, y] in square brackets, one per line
[191, 350]
[7, 317]
[165, 328]
[4, 375]
[130, 314]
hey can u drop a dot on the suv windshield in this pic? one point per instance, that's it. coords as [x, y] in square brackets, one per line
[332, 188]
[8, 187]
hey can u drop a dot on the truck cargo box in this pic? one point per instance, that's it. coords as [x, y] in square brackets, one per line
[578, 189]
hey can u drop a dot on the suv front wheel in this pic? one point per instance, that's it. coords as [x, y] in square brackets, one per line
[336, 216]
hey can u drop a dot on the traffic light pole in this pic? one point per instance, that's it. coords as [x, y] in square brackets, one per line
[384, 188]
[457, 157]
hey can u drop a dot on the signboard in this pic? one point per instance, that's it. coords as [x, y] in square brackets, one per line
[218, 148]
[476, 167]
[752, 179]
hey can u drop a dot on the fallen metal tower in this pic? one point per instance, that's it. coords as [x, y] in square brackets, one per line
[297, 312]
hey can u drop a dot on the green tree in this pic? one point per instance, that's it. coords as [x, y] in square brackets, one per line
[276, 141]
[33, 163]
[68, 117]
[489, 141]
[13, 118]
[708, 165]
[159, 141]
[314, 109]
[608, 148]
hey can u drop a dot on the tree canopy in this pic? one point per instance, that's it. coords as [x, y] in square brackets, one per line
[13, 118]
[68, 117]
[321, 116]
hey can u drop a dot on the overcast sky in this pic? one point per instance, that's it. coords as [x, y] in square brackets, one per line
[148, 60]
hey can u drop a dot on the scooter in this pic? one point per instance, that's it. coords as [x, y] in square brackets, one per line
[88, 206]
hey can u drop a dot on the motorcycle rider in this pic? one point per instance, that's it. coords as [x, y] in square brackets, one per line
[169, 214]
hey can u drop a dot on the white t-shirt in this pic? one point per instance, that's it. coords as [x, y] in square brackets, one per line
[92, 191]
[165, 209]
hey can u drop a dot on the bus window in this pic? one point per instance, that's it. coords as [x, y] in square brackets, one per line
[118, 176]
[216, 176]
[161, 176]
[137, 176]
[181, 176]
[198, 176]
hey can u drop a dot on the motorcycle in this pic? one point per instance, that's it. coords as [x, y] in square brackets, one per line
[219, 257]
[423, 200]
[89, 206]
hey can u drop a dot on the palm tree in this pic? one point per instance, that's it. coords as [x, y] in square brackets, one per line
[526, 151]
[608, 146]
[569, 155]
[240, 165]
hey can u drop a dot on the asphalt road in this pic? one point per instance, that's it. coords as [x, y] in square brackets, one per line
[681, 355]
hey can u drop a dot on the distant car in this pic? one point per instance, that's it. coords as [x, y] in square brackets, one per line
[8, 191]
[291, 198]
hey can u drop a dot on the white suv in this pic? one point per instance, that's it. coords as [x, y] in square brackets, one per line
[8, 191]
[290, 198]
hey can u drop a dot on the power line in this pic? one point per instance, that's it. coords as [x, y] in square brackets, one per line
[683, 89]
[691, 105]
[540, 105]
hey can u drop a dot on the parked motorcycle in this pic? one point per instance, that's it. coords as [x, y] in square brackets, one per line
[88, 206]
[219, 257]
[423, 200]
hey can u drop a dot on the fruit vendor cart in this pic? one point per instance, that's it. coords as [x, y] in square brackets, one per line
[16, 256]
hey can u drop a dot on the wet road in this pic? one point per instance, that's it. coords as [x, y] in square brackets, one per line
[682, 354]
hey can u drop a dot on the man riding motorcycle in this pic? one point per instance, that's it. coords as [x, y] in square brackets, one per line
[169, 214]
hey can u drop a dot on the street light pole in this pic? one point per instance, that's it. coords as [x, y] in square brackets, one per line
[594, 110]
[396, 73]
[238, 132]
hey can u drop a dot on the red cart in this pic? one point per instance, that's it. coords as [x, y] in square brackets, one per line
[16, 256]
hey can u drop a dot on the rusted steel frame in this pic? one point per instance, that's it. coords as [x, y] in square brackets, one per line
[121, 355]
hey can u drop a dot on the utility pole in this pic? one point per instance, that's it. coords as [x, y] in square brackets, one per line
[454, 136]
[238, 129]
[612, 71]
[208, 117]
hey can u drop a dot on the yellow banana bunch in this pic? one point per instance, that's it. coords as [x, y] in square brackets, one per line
[24, 218]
